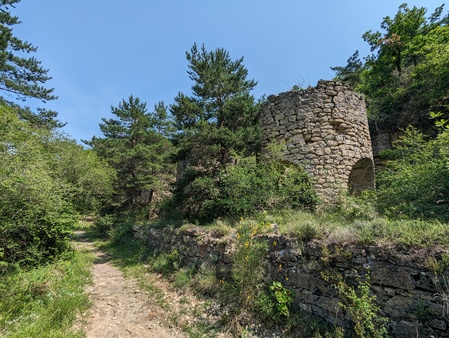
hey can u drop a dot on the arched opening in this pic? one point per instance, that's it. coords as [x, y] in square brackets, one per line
[361, 177]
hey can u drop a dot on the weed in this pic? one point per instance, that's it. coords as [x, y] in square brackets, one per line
[247, 270]
[274, 305]
[442, 294]
[361, 306]
[166, 263]
[182, 278]
[206, 282]
[439, 266]
[283, 297]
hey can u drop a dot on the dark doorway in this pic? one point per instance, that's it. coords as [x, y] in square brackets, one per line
[361, 177]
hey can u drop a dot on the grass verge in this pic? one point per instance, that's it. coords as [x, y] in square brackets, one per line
[46, 301]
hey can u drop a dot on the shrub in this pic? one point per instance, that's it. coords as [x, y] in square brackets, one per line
[166, 263]
[275, 304]
[360, 304]
[415, 182]
[104, 224]
[247, 270]
[250, 186]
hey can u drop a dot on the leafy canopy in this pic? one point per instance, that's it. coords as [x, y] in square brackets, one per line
[45, 179]
[406, 75]
[415, 182]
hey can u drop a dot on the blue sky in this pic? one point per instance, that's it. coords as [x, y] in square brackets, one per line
[99, 52]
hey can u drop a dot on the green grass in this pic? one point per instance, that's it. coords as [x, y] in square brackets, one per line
[362, 225]
[46, 301]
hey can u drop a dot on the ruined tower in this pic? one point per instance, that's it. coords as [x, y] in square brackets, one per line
[325, 130]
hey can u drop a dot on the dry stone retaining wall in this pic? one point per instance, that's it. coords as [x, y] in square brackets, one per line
[406, 290]
[325, 130]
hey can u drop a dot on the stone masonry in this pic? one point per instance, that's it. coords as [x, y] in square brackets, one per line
[408, 292]
[325, 130]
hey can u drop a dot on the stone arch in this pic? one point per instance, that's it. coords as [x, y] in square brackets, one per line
[361, 176]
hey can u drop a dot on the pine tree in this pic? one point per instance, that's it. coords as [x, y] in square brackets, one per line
[135, 146]
[219, 118]
[19, 75]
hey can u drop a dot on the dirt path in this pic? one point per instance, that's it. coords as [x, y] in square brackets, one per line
[119, 308]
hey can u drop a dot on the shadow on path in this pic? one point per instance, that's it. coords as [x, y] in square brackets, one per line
[85, 240]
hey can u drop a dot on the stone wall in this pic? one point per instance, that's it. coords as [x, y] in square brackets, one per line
[402, 281]
[325, 130]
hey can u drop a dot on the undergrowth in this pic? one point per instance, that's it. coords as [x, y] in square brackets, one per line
[45, 301]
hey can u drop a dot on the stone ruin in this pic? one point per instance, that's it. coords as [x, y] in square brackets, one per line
[325, 130]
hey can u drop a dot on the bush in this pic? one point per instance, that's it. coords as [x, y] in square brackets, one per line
[361, 305]
[275, 304]
[242, 189]
[415, 182]
[36, 214]
[104, 224]
[247, 270]
[166, 263]
[250, 186]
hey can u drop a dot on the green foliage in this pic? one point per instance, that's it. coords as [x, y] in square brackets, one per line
[42, 119]
[135, 145]
[218, 119]
[439, 266]
[247, 270]
[361, 305]
[104, 224]
[35, 210]
[166, 263]
[250, 186]
[19, 75]
[90, 179]
[283, 297]
[415, 182]
[406, 76]
[351, 72]
[46, 301]
[183, 277]
[45, 179]
[244, 189]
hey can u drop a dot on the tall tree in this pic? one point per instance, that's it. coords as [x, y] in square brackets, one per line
[392, 77]
[219, 117]
[134, 144]
[19, 75]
